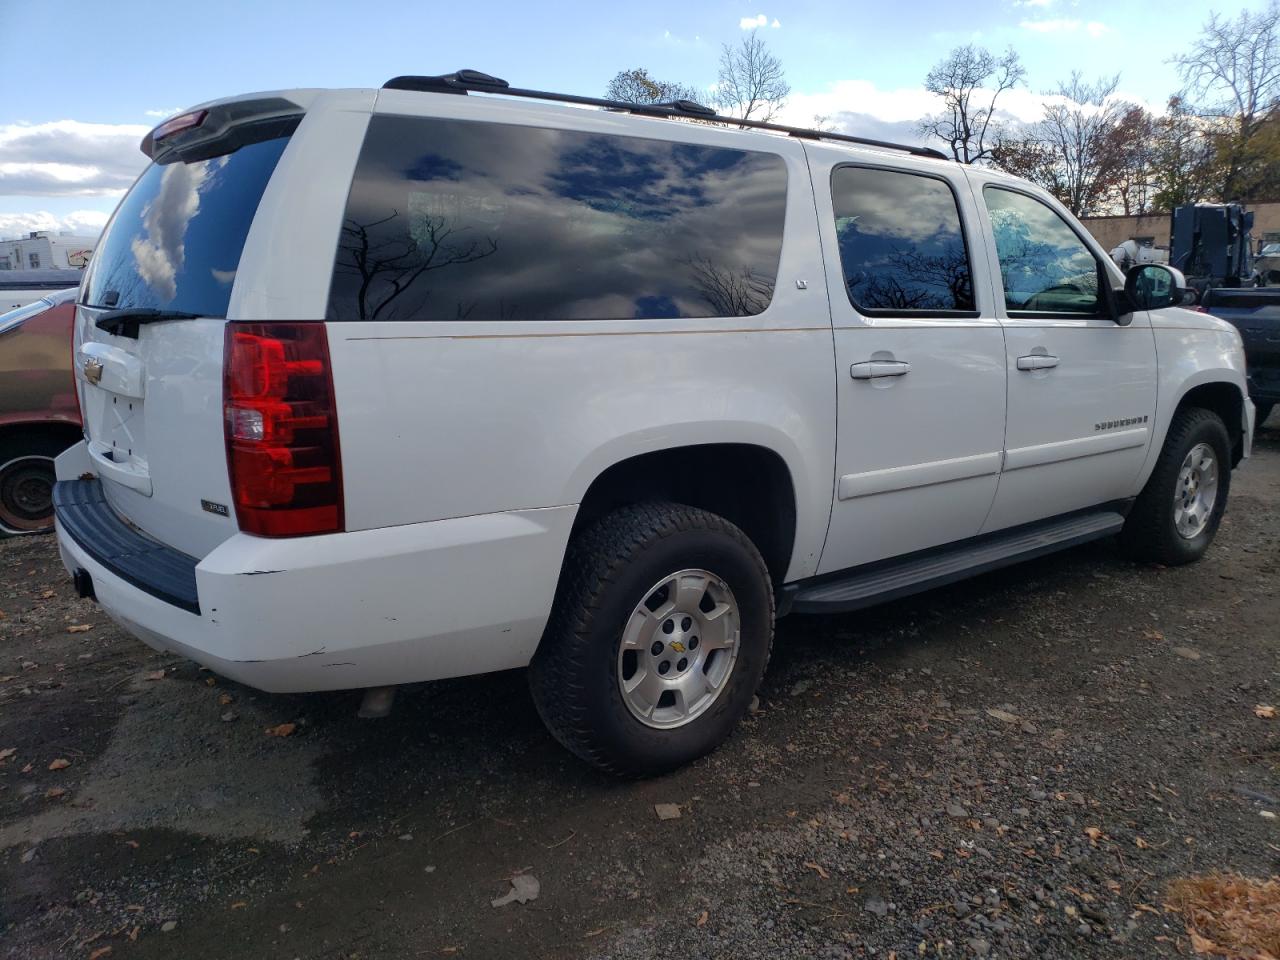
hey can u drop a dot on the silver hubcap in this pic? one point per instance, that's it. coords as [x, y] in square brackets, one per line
[678, 649]
[1197, 491]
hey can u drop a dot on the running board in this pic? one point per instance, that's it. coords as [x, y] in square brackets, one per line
[899, 578]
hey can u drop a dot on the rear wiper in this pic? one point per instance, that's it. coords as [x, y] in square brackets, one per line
[125, 323]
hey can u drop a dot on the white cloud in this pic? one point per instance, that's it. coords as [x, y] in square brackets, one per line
[775, 25]
[162, 114]
[69, 158]
[1033, 3]
[759, 20]
[1096, 28]
[87, 223]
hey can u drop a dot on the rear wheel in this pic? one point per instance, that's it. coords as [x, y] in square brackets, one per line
[660, 635]
[1177, 514]
[26, 483]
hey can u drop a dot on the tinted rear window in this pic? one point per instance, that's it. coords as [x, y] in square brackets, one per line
[176, 239]
[901, 244]
[462, 220]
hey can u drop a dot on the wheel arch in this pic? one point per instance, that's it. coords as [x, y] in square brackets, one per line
[1223, 397]
[16, 430]
[748, 484]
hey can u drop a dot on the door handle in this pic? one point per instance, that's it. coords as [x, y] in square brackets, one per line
[1037, 361]
[874, 369]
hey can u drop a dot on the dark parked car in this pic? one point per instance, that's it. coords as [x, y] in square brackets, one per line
[1256, 314]
[39, 416]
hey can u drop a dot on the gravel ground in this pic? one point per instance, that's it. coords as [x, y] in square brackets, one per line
[1010, 767]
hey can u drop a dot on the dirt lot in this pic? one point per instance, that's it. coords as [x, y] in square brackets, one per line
[1014, 766]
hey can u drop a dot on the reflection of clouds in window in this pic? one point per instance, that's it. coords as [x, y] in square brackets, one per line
[227, 277]
[900, 241]
[455, 219]
[160, 251]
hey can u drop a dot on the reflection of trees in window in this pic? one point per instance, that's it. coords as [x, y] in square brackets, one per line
[909, 279]
[389, 266]
[743, 293]
[1030, 267]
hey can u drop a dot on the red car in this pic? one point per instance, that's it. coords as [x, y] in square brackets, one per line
[39, 416]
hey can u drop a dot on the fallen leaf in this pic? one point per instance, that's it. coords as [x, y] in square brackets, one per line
[239, 905]
[1094, 834]
[1264, 711]
[154, 675]
[8, 752]
[524, 888]
[1002, 715]
[100, 952]
[46, 595]
[818, 869]
[1203, 944]
[702, 918]
[225, 700]
[281, 730]
[132, 843]
[667, 811]
[80, 628]
[1141, 844]
[53, 793]
[60, 764]
[210, 681]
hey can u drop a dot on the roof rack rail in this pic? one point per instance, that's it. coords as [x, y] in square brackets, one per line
[474, 81]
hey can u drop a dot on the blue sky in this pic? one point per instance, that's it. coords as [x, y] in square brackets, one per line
[86, 80]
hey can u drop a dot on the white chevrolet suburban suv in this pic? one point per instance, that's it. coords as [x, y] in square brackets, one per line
[384, 386]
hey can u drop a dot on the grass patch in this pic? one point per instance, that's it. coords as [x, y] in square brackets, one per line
[1229, 915]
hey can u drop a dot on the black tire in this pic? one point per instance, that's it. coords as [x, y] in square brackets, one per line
[608, 568]
[1261, 414]
[1150, 533]
[26, 483]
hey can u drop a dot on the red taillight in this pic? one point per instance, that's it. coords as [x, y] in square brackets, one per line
[184, 121]
[281, 426]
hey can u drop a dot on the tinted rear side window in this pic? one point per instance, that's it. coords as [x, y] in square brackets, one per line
[462, 220]
[176, 239]
[901, 244]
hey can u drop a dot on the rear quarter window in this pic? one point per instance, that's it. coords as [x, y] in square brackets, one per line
[176, 239]
[465, 220]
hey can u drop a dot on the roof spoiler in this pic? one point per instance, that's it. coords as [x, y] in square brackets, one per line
[221, 128]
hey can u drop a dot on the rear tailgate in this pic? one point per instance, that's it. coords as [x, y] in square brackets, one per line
[151, 392]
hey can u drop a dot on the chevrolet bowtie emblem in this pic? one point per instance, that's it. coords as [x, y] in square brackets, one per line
[92, 369]
[677, 646]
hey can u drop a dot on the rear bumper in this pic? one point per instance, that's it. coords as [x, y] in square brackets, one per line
[369, 608]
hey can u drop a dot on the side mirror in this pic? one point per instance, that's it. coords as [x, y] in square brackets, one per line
[1154, 286]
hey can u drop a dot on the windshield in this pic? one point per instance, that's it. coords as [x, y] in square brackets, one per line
[175, 241]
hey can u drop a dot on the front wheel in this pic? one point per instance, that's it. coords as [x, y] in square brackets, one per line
[1177, 514]
[660, 635]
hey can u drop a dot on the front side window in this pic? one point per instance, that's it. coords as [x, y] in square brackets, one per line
[1044, 266]
[34, 258]
[464, 220]
[902, 247]
[176, 239]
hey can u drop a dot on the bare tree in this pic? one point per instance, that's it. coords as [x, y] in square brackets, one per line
[636, 86]
[751, 85]
[1235, 64]
[970, 81]
[1077, 128]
